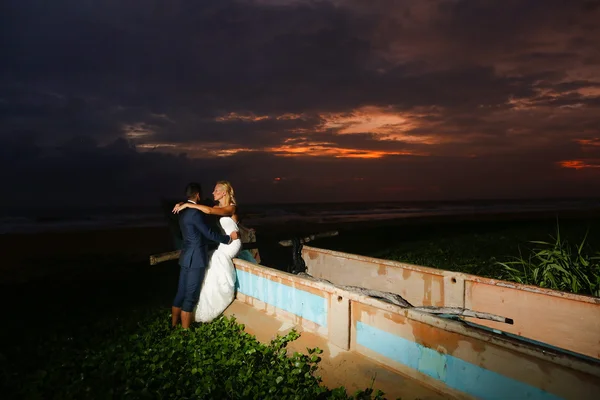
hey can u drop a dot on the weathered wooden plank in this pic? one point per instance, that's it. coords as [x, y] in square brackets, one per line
[162, 257]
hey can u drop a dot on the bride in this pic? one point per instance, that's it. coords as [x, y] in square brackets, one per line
[218, 288]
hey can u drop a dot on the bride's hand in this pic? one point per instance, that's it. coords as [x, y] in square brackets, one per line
[178, 207]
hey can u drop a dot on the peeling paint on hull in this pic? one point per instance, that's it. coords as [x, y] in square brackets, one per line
[561, 320]
[448, 357]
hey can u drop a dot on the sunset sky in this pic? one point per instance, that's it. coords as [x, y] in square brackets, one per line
[114, 101]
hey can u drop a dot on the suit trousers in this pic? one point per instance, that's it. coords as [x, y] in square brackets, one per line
[188, 290]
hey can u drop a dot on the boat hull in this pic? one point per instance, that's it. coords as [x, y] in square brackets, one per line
[446, 356]
[557, 319]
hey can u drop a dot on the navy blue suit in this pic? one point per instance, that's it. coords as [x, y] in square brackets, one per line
[194, 257]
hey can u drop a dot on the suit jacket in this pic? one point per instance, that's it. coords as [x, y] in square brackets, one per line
[196, 236]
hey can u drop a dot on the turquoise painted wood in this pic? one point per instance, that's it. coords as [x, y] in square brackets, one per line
[454, 372]
[304, 304]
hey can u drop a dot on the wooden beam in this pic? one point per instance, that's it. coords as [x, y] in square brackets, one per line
[162, 257]
[174, 255]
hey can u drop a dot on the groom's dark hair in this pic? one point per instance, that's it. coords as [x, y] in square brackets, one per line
[192, 190]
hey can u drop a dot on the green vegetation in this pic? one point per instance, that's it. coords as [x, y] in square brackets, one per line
[141, 357]
[558, 265]
[102, 330]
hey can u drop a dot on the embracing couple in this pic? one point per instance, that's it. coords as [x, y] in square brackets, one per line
[206, 285]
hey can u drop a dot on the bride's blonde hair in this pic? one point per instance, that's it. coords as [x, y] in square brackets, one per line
[228, 191]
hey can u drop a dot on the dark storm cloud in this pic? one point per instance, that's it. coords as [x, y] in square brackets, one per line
[81, 172]
[166, 54]
[227, 56]
[496, 87]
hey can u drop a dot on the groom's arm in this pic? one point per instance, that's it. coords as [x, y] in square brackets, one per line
[208, 232]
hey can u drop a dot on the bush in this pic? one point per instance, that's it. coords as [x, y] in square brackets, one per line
[217, 360]
[557, 265]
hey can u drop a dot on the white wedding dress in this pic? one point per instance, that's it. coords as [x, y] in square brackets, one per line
[218, 289]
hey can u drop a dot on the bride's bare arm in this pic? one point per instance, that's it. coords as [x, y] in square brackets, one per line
[226, 211]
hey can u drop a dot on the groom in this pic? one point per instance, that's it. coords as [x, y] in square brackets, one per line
[194, 257]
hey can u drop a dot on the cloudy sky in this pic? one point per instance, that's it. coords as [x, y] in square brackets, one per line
[115, 101]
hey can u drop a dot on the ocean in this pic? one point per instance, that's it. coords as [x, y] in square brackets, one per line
[32, 221]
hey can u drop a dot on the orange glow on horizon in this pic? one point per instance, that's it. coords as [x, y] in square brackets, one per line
[289, 116]
[386, 125]
[383, 123]
[590, 91]
[580, 164]
[297, 149]
[318, 150]
[595, 142]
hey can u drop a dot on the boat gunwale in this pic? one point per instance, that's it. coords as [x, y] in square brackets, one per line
[474, 278]
[584, 365]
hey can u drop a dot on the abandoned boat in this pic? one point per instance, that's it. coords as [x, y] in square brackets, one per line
[532, 343]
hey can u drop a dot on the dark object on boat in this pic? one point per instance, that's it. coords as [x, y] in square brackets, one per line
[298, 264]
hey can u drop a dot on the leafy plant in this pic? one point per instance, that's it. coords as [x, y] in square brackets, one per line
[144, 358]
[557, 265]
